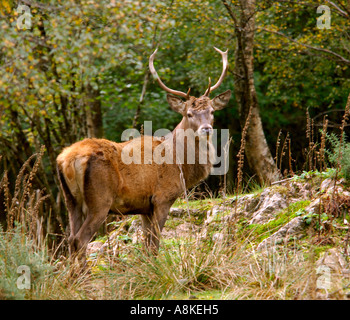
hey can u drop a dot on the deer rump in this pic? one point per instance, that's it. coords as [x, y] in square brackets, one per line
[95, 181]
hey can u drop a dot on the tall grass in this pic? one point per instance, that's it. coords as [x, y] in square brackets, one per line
[189, 266]
[23, 204]
[181, 267]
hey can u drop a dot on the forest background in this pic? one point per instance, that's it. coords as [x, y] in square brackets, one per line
[80, 69]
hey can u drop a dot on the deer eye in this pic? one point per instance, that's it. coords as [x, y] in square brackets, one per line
[212, 112]
[189, 115]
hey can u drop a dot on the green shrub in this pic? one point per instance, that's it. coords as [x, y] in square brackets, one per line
[334, 155]
[17, 250]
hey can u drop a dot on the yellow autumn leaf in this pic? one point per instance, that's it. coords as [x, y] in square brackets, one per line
[5, 7]
[78, 22]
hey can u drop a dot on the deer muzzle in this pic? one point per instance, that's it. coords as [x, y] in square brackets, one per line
[205, 130]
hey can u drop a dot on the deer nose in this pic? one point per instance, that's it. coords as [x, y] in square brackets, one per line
[206, 130]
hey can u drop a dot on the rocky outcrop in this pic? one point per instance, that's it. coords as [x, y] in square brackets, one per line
[269, 203]
[291, 230]
[256, 209]
[331, 270]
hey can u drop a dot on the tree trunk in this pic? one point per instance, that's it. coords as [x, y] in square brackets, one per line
[257, 152]
[93, 113]
[142, 98]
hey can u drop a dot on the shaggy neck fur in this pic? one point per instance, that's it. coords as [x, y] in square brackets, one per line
[192, 153]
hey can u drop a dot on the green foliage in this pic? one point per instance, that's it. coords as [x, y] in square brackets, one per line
[15, 251]
[306, 175]
[339, 154]
[319, 219]
[318, 72]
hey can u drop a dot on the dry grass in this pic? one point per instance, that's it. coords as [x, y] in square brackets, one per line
[22, 205]
[185, 266]
[240, 155]
[190, 266]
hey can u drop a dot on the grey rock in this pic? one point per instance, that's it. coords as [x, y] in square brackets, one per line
[135, 226]
[293, 228]
[334, 260]
[326, 184]
[93, 247]
[212, 213]
[177, 212]
[331, 269]
[267, 206]
[218, 237]
[313, 207]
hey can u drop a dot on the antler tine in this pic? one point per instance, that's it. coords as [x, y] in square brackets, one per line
[160, 82]
[207, 93]
[224, 70]
[188, 94]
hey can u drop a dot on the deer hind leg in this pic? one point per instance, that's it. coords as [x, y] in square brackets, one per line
[90, 226]
[97, 203]
[74, 208]
[97, 211]
[75, 223]
[75, 214]
[153, 224]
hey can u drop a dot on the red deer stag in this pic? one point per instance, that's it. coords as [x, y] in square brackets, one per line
[95, 180]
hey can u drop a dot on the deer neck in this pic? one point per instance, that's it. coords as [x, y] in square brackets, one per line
[192, 154]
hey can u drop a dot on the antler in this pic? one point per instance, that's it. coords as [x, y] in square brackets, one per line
[207, 93]
[224, 69]
[161, 84]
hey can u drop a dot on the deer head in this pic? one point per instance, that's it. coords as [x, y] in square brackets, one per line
[198, 113]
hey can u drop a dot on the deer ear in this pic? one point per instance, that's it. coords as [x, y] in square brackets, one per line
[221, 101]
[176, 103]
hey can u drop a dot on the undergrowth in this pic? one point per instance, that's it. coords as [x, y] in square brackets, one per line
[341, 152]
[16, 251]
